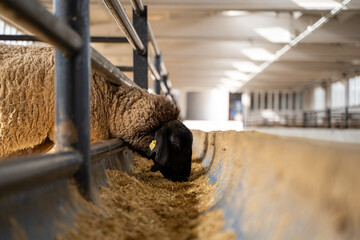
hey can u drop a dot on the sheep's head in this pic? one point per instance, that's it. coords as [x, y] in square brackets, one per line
[171, 151]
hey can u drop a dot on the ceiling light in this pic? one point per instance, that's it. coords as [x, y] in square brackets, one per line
[237, 75]
[275, 34]
[297, 14]
[333, 12]
[317, 4]
[258, 54]
[230, 84]
[233, 13]
[245, 66]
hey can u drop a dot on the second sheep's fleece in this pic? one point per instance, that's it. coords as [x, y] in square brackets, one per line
[27, 112]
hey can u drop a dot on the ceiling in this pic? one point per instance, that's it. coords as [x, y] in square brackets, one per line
[221, 44]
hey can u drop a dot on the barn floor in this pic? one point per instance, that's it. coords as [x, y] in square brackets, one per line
[244, 185]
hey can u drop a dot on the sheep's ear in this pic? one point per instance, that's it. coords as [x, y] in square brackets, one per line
[161, 148]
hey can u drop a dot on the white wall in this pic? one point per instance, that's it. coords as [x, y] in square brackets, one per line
[208, 105]
[181, 100]
[319, 99]
[338, 94]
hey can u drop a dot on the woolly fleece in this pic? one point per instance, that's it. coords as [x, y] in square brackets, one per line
[27, 112]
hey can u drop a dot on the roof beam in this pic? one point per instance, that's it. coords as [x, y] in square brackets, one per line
[299, 38]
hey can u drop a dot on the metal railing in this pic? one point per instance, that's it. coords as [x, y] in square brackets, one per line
[121, 18]
[68, 31]
[345, 117]
[138, 36]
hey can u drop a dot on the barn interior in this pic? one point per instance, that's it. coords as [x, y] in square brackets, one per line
[271, 92]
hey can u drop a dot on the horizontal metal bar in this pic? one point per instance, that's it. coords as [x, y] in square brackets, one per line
[36, 39]
[105, 149]
[153, 70]
[19, 38]
[108, 70]
[21, 173]
[152, 40]
[125, 68]
[138, 6]
[33, 17]
[108, 39]
[120, 17]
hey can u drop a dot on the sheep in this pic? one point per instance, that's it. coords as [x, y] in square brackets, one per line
[148, 123]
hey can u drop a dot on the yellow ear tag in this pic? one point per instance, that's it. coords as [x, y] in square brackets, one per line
[152, 145]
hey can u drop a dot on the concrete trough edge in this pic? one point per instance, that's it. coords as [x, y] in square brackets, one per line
[44, 211]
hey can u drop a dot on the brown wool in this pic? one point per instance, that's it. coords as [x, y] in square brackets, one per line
[27, 113]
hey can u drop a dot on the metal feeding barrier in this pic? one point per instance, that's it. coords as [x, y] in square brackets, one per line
[345, 117]
[33, 190]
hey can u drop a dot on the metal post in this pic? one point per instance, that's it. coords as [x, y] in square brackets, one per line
[328, 113]
[304, 119]
[73, 91]
[157, 63]
[165, 81]
[138, 6]
[141, 61]
[347, 101]
[168, 86]
[346, 117]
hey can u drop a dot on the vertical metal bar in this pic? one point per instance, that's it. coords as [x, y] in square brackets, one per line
[304, 119]
[157, 63]
[165, 81]
[328, 113]
[73, 91]
[346, 117]
[141, 61]
[347, 101]
[168, 86]
[138, 6]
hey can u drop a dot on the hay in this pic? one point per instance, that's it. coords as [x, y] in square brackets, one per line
[145, 205]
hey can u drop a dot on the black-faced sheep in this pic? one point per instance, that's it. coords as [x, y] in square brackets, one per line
[27, 113]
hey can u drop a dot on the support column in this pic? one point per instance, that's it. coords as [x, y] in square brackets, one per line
[347, 101]
[73, 91]
[327, 87]
[140, 62]
[157, 63]
[245, 100]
